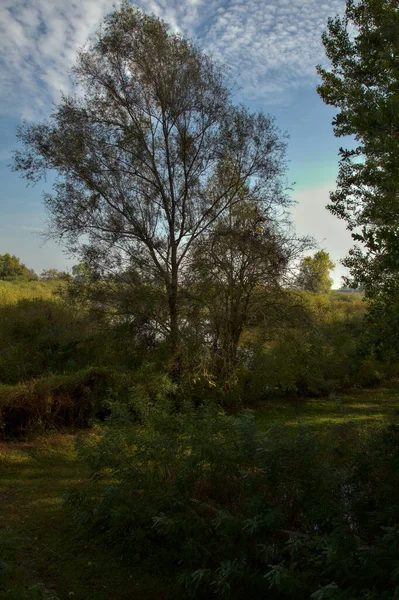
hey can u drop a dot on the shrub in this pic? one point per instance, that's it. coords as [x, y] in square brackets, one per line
[41, 336]
[323, 351]
[235, 513]
[14, 291]
[59, 400]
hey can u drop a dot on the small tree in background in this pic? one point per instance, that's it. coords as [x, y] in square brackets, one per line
[314, 273]
[53, 274]
[12, 268]
[246, 250]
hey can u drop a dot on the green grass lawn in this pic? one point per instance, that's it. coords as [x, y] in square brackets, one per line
[43, 556]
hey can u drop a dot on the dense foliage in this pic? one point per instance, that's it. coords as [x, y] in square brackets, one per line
[363, 84]
[11, 268]
[68, 400]
[233, 512]
[299, 343]
[314, 273]
[320, 347]
[59, 364]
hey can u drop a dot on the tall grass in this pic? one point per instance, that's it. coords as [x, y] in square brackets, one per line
[12, 292]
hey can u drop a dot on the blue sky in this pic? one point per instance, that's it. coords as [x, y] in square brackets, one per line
[271, 47]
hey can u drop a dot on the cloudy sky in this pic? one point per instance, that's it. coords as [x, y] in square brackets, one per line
[271, 47]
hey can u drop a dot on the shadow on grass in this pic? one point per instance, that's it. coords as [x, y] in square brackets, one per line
[33, 478]
[360, 409]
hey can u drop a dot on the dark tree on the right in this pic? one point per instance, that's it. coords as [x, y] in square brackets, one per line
[363, 84]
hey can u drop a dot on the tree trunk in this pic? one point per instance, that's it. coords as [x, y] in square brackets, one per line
[230, 337]
[229, 350]
[173, 305]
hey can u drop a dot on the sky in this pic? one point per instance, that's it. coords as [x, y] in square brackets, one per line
[271, 48]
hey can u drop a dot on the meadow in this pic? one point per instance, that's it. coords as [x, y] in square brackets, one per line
[12, 292]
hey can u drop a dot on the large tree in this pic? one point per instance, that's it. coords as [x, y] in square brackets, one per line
[141, 150]
[362, 82]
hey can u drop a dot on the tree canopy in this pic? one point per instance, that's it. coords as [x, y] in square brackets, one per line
[12, 268]
[151, 154]
[314, 273]
[362, 82]
[51, 274]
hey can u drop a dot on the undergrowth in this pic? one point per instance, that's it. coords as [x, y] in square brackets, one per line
[234, 512]
[59, 400]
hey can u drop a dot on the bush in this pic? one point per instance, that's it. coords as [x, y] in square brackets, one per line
[59, 400]
[39, 337]
[43, 336]
[235, 513]
[325, 350]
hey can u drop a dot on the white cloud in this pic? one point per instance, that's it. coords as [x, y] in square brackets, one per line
[311, 217]
[32, 229]
[38, 44]
[270, 45]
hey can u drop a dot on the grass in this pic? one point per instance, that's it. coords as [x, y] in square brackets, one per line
[46, 556]
[342, 423]
[48, 559]
[12, 292]
[358, 409]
